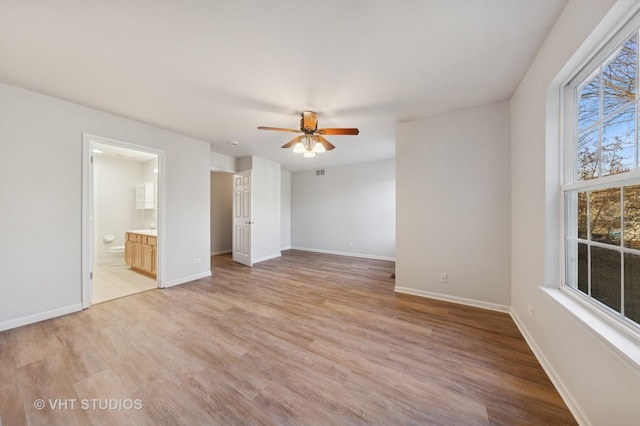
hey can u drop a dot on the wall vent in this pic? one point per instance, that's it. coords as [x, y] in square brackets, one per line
[320, 172]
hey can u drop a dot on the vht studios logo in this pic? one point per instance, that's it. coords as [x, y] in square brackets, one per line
[88, 404]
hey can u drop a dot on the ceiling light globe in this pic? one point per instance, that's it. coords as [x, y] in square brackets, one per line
[309, 154]
[299, 148]
[318, 148]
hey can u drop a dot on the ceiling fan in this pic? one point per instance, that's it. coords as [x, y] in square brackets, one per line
[312, 141]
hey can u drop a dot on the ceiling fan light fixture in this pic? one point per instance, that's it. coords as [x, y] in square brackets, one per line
[299, 148]
[318, 148]
[311, 141]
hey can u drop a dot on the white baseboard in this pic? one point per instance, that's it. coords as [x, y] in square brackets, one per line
[215, 253]
[562, 389]
[454, 299]
[30, 319]
[342, 253]
[183, 280]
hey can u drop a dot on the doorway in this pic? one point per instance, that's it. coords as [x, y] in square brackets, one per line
[121, 219]
[221, 186]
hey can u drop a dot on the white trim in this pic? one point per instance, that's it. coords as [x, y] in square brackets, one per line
[555, 378]
[454, 299]
[221, 170]
[262, 259]
[30, 319]
[285, 248]
[86, 281]
[608, 334]
[183, 280]
[632, 177]
[215, 253]
[342, 253]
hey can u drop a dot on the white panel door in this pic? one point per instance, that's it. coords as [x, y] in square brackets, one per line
[242, 218]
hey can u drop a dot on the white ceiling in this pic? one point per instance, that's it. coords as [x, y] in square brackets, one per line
[216, 70]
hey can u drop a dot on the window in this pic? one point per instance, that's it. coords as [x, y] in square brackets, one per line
[601, 182]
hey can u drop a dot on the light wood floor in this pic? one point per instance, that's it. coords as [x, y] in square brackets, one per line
[303, 339]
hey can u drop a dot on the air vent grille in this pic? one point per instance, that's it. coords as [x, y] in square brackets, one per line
[320, 172]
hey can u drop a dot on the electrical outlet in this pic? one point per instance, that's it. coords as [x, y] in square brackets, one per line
[530, 310]
[443, 278]
[196, 261]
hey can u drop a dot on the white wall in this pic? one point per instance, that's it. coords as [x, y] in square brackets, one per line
[350, 210]
[453, 206]
[41, 199]
[285, 210]
[115, 211]
[221, 212]
[223, 163]
[599, 385]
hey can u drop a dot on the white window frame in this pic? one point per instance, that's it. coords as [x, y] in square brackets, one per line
[569, 96]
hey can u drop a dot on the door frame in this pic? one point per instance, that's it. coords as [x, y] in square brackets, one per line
[88, 237]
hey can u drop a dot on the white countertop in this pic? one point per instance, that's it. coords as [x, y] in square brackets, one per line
[152, 232]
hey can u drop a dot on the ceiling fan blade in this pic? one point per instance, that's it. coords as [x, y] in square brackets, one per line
[343, 131]
[293, 141]
[327, 145]
[309, 121]
[279, 129]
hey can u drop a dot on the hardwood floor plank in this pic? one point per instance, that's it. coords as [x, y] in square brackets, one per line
[440, 398]
[287, 407]
[400, 405]
[11, 409]
[217, 392]
[233, 372]
[104, 390]
[167, 403]
[307, 338]
[49, 381]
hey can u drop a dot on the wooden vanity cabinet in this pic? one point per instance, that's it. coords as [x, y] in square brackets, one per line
[140, 252]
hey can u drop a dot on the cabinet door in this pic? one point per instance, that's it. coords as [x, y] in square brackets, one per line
[147, 258]
[128, 252]
[137, 255]
[154, 260]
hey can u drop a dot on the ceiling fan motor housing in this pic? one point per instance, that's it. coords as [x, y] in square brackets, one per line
[309, 122]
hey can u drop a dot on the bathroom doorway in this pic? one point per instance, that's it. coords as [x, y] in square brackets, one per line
[121, 220]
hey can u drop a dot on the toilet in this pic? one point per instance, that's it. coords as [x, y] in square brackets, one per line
[117, 255]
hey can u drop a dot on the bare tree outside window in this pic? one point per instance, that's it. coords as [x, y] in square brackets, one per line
[607, 117]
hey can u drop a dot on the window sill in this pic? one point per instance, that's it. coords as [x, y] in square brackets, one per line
[609, 334]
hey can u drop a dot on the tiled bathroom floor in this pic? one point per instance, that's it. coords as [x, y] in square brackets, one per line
[114, 281]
